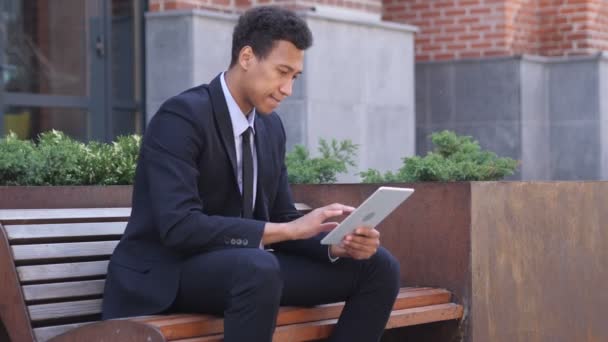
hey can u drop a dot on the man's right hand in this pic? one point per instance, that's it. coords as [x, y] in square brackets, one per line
[306, 226]
[314, 223]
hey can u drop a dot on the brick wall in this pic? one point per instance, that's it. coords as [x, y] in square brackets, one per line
[237, 6]
[456, 29]
[573, 27]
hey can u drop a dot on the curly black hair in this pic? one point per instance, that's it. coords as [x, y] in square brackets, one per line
[260, 27]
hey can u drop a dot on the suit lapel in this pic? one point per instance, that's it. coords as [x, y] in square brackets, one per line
[262, 151]
[222, 119]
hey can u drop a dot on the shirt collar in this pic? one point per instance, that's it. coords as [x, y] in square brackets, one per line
[240, 122]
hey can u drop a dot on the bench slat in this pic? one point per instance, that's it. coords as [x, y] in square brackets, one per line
[63, 250]
[32, 232]
[62, 271]
[63, 290]
[41, 312]
[323, 328]
[200, 325]
[27, 216]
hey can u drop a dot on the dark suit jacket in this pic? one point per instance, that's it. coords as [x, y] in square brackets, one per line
[186, 200]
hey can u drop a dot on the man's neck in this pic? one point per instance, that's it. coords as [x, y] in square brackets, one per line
[232, 82]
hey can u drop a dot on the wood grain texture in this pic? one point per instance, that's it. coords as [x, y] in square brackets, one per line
[12, 305]
[322, 329]
[185, 326]
[49, 251]
[63, 290]
[41, 312]
[112, 330]
[62, 271]
[41, 232]
[40, 216]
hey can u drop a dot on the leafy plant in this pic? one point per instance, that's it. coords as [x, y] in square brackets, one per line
[16, 161]
[455, 158]
[59, 160]
[335, 158]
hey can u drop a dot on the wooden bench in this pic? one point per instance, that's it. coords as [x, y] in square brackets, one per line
[52, 269]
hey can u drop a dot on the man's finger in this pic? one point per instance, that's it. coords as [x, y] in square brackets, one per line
[362, 247]
[327, 226]
[369, 232]
[357, 254]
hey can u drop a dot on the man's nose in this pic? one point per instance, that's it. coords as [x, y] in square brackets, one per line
[287, 88]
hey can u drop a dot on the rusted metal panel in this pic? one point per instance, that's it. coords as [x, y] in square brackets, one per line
[540, 261]
[48, 197]
[429, 233]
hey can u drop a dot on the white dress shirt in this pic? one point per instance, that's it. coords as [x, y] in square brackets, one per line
[240, 123]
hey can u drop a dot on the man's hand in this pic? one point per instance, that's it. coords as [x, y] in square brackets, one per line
[306, 226]
[314, 223]
[360, 245]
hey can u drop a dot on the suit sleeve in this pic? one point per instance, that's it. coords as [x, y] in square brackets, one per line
[170, 150]
[284, 210]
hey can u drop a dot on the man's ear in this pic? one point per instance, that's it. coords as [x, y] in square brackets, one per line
[246, 57]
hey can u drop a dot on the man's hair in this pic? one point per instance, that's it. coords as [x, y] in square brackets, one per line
[261, 27]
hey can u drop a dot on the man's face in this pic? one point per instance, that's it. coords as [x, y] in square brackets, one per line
[270, 80]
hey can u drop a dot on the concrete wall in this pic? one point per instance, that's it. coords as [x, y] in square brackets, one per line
[184, 49]
[604, 117]
[478, 98]
[357, 84]
[546, 112]
[358, 80]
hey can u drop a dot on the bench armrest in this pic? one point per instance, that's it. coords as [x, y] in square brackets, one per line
[117, 330]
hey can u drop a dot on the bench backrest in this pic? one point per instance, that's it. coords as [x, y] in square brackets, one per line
[53, 264]
[58, 260]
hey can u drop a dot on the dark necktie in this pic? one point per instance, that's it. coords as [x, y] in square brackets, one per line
[247, 174]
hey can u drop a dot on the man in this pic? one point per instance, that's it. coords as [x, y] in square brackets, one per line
[213, 227]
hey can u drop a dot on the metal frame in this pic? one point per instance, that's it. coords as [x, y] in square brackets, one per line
[99, 102]
[2, 36]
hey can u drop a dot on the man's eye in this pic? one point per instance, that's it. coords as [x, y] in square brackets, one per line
[283, 72]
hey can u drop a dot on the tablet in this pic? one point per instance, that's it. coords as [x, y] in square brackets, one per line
[370, 213]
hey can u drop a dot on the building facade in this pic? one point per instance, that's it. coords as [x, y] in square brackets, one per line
[527, 78]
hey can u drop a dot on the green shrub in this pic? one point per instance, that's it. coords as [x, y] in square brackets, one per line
[17, 161]
[335, 158]
[111, 164]
[455, 158]
[60, 160]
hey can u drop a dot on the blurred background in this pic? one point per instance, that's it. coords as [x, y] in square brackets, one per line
[527, 78]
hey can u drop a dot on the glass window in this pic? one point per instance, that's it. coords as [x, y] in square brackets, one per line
[45, 47]
[28, 122]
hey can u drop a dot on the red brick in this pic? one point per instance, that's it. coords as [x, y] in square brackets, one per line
[470, 54]
[469, 20]
[444, 56]
[477, 11]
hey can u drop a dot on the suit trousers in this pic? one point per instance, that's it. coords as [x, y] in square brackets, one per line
[247, 286]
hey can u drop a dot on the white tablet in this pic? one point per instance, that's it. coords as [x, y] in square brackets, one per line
[370, 213]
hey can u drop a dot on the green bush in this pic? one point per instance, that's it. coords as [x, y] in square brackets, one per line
[335, 158]
[17, 161]
[60, 160]
[455, 158]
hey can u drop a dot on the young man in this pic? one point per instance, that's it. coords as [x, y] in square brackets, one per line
[213, 227]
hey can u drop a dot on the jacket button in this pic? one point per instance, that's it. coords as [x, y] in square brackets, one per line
[239, 241]
[226, 241]
[233, 241]
[245, 242]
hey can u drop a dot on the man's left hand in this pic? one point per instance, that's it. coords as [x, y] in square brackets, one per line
[360, 245]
